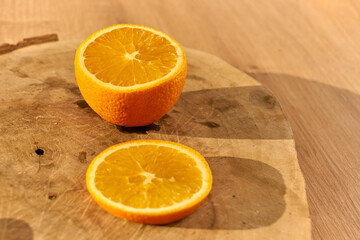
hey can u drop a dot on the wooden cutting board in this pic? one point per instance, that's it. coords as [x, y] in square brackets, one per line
[49, 135]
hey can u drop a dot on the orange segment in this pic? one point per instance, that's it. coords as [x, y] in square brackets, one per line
[130, 75]
[149, 181]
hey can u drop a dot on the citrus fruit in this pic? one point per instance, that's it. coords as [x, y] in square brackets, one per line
[130, 75]
[149, 181]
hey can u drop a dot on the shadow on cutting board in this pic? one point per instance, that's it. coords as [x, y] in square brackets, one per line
[231, 113]
[321, 114]
[250, 196]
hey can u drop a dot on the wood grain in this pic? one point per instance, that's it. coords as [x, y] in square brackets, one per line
[238, 125]
[306, 52]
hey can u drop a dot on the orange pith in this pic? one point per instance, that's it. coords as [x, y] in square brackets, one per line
[130, 75]
[149, 181]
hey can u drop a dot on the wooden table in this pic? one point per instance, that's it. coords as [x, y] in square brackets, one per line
[306, 52]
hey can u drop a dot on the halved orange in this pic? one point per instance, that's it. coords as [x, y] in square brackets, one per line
[130, 75]
[149, 181]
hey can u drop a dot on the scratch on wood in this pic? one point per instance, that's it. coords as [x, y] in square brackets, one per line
[86, 208]
[138, 232]
[214, 212]
[184, 124]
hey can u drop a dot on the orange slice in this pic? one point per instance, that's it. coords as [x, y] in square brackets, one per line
[149, 181]
[130, 75]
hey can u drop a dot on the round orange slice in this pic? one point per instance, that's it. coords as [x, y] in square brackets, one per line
[130, 75]
[149, 181]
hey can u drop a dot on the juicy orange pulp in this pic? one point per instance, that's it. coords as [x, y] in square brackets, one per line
[148, 177]
[130, 56]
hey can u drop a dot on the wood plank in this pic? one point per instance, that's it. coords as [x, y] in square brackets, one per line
[49, 135]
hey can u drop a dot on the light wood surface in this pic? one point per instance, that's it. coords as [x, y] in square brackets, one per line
[236, 123]
[307, 52]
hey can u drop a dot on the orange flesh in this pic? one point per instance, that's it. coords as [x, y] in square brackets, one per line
[129, 56]
[148, 176]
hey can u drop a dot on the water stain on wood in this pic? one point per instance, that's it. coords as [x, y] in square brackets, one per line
[226, 113]
[257, 201]
[15, 229]
[19, 73]
[253, 67]
[56, 82]
[223, 104]
[47, 166]
[262, 98]
[25, 60]
[82, 157]
[191, 67]
[45, 89]
[196, 77]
